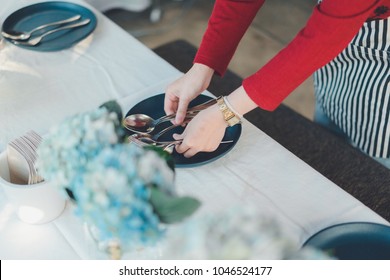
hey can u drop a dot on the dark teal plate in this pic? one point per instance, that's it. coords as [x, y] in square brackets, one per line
[29, 17]
[154, 107]
[354, 241]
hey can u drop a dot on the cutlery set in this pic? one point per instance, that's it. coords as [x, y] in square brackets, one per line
[22, 156]
[145, 140]
[144, 123]
[34, 36]
[143, 126]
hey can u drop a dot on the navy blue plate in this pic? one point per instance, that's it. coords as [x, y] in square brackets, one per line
[29, 17]
[354, 241]
[154, 107]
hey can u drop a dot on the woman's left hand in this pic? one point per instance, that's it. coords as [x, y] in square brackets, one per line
[203, 133]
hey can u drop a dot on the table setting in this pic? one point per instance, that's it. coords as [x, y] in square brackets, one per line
[88, 164]
[154, 107]
[44, 26]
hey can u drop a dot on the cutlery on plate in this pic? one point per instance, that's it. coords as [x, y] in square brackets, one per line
[165, 130]
[145, 123]
[169, 147]
[26, 35]
[36, 40]
[143, 140]
[141, 123]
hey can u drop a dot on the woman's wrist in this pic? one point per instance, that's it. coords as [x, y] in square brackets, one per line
[231, 107]
[204, 69]
[239, 102]
[203, 72]
[234, 106]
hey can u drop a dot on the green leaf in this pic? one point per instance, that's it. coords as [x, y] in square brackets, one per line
[163, 154]
[172, 209]
[113, 106]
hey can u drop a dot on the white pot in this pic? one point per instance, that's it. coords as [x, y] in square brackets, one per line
[35, 204]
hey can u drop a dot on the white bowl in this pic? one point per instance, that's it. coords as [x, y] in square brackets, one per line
[35, 204]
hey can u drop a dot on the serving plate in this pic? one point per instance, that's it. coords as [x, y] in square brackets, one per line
[29, 17]
[154, 107]
[354, 241]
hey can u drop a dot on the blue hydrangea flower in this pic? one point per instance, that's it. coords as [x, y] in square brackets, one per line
[110, 181]
[69, 146]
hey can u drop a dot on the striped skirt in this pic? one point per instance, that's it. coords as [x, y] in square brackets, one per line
[353, 90]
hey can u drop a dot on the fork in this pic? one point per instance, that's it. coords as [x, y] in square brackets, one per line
[25, 152]
[168, 147]
[168, 128]
[36, 40]
[26, 146]
[27, 35]
[144, 141]
[193, 110]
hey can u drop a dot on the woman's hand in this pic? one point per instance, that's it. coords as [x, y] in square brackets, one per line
[204, 133]
[180, 93]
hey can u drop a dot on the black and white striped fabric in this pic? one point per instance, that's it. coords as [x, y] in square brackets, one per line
[354, 89]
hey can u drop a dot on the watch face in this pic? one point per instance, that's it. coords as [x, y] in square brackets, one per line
[228, 115]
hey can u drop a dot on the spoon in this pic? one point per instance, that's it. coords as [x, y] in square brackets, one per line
[154, 137]
[36, 40]
[27, 35]
[144, 123]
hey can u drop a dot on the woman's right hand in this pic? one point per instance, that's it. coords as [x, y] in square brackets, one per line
[180, 93]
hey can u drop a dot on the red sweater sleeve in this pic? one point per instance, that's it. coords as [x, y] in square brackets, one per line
[325, 35]
[228, 23]
[332, 25]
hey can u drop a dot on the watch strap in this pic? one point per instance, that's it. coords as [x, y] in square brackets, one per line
[229, 116]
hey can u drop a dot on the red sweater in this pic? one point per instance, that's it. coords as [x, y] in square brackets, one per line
[332, 25]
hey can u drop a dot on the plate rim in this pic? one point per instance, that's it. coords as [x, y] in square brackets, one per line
[341, 225]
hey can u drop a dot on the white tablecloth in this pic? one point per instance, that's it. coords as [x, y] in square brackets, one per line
[37, 90]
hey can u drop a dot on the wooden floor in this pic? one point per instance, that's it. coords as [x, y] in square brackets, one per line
[274, 26]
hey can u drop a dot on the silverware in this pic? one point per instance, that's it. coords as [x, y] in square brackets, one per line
[143, 140]
[27, 35]
[169, 147]
[147, 140]
[189, 116]
[144, 123]
[36, 40]
[165, 130]
[26, 147]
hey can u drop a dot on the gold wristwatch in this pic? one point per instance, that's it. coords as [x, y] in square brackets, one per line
[230, 117]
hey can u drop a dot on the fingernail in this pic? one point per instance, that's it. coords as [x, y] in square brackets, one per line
[175, 136]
